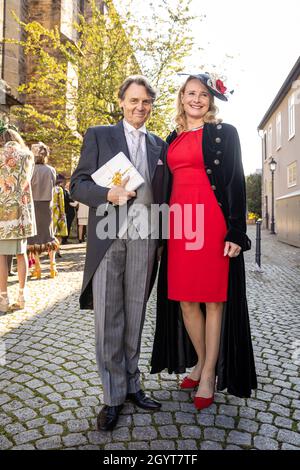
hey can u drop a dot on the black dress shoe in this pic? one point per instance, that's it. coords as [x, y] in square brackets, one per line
[108, 417]
[140, 399]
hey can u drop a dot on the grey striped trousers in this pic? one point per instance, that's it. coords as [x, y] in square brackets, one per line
[120, 291]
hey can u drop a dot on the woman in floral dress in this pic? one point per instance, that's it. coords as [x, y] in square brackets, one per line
[17, 221]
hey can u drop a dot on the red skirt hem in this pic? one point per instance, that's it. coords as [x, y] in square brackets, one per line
[197, 300]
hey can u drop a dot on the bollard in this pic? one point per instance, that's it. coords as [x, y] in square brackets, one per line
[258, 245]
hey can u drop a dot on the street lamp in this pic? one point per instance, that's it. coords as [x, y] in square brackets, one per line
[272, 165]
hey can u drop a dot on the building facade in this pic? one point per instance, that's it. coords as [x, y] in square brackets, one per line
[280, 131]
[12, 61]
[16, 69]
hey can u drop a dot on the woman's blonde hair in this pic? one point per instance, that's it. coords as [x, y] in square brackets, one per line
[180, 118]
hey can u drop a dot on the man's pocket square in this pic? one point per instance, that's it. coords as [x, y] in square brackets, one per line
[160, 162]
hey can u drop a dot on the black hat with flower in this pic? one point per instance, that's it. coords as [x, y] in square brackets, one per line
[214, 84]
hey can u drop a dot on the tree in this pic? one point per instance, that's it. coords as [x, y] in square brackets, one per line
[253, 188]
[162, 43]
[77, 82]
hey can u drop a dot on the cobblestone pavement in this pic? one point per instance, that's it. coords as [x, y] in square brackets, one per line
[50, 392]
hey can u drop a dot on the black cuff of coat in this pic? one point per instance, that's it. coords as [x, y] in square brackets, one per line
[240, 238]
[162, 243]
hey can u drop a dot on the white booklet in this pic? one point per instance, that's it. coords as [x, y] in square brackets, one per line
[115, 170]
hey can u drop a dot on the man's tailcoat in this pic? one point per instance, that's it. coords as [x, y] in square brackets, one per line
[101, 143]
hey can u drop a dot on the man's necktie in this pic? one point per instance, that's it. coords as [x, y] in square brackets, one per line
[136, 146]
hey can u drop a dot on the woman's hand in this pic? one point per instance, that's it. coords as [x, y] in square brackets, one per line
[232, 249]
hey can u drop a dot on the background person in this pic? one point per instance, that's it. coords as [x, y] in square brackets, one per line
[43, 182]
[59, 216]
[82, 221]
[16, 210]
[69, 207]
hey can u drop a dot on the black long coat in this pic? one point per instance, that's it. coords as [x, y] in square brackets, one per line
[100, 144]
[172, 347]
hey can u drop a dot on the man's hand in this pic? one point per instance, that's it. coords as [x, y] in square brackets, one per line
[231, 249]
[118, 195]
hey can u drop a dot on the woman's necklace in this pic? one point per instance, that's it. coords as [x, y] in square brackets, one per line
[195, 128]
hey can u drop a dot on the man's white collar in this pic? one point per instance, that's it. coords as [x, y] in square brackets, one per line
[130, 128]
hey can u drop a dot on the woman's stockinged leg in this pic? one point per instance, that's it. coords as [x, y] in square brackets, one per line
[4, 302]
[194, 322]
[52, 256]
[3, 273]
[212, 338]
[22, 263]
[80, 232]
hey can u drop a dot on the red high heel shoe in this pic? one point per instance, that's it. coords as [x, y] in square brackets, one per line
[201, 403]
[189, 383]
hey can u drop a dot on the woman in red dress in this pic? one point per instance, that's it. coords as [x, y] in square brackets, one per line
[201, 244]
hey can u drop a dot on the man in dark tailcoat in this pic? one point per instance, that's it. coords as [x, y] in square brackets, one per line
[119, 268]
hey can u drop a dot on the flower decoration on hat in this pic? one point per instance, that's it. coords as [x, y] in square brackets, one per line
[214, 84]
[217, 84]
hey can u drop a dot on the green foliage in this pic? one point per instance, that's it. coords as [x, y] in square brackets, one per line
[253, 187]
[163, 42]
[73, 85]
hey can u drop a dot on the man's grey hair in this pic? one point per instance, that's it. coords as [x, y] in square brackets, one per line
[138, 80]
